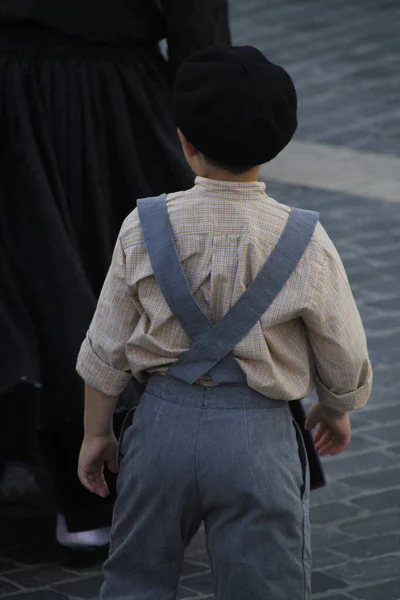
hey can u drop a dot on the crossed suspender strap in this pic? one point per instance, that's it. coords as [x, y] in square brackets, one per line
[159, 240]
[211, 351]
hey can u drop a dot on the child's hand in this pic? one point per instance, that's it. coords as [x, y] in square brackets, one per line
[95, 452]
[333, 432]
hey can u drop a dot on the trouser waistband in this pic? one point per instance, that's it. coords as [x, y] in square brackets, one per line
[226, 396]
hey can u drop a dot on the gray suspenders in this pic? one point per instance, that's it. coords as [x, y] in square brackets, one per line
[211, 352]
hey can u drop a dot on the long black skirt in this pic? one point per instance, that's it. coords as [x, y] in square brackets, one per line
[84, 132]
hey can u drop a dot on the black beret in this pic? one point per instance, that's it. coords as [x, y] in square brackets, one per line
[234, 105]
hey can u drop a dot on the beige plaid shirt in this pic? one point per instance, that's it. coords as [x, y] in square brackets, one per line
[312, 334]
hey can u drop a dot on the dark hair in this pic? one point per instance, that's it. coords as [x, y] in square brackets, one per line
[232, 169]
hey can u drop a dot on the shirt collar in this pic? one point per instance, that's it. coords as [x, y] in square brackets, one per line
[233, 188]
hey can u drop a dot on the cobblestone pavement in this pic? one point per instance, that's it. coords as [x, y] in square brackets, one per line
[345, 58]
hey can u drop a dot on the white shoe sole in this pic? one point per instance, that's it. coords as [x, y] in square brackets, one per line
[95, 538]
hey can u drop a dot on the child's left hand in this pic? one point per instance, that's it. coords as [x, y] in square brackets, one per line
[333, 433]
[95, 452]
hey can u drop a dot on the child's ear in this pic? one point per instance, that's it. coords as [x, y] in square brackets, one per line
[188, 148]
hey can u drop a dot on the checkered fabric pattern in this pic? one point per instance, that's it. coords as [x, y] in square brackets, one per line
[312, 334]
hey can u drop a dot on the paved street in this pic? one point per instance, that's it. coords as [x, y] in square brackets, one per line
[345, 58]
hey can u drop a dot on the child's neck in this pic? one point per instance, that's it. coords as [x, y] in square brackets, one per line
[222, 175]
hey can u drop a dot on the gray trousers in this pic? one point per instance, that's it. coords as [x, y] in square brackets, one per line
[225, 456]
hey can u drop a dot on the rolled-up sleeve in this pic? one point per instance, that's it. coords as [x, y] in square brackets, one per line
[337, 339]
[102, 361]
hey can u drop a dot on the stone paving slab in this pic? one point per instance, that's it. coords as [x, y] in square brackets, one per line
[338, 169]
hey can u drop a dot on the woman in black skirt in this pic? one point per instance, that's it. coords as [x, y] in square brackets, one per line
[86, 128]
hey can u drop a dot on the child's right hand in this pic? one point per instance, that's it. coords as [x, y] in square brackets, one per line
[333, 433]
[95, 453]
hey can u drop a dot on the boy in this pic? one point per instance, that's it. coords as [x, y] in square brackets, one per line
[230, 305]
